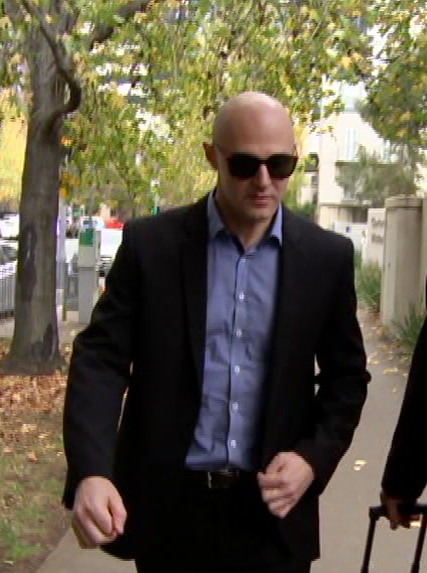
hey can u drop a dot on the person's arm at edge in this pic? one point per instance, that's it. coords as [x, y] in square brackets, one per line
[342, 379]
[99, 375]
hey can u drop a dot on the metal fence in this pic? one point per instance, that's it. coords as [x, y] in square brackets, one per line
[7, 288]
[8, 256]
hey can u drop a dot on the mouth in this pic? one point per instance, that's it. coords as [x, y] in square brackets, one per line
[260, 200]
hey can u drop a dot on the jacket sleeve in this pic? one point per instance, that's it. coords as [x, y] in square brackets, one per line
[405, 474]
[342, 379]
[99, 375]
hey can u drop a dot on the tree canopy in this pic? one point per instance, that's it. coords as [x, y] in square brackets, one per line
[137, 84]
[397, 86]
[370, 179]
[153, 98]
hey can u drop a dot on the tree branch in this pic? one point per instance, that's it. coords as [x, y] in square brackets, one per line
[64, 66]
[103, 32]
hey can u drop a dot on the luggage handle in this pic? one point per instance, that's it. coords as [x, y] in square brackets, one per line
[378, 511]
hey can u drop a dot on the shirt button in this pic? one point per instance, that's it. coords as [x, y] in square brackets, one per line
[238, 333]
[235, 406]
[233, 443]
[237, 369]
[241, 296]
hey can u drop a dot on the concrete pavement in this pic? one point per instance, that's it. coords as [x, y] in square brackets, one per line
[69, 558]
[344, 505]
[356, 484]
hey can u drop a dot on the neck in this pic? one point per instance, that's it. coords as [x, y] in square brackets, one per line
[249, 237]
[249, 232]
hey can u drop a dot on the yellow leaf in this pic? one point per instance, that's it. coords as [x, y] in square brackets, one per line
[4, 22]
[359, 464]
[16, 59]
[345, 62]
[139, 17]
[27, 428]
[32, 457]
[405, 116]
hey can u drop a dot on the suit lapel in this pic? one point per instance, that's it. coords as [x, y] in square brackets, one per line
[292, 290]
[194, 261]
[292, 278]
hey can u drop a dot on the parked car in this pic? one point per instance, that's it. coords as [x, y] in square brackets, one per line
[9, 226]
[110, 242]
[114, 223]
[8, 262]
[8, 251]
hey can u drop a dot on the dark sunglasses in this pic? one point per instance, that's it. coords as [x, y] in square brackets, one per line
[245, 165]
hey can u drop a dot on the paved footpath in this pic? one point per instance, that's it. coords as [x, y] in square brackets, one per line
[345, 503]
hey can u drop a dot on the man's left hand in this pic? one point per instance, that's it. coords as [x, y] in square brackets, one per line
[284, 482]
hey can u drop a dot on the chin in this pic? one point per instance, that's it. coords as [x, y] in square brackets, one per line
[263, 212]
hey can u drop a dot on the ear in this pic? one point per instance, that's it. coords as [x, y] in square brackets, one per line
[210, 154]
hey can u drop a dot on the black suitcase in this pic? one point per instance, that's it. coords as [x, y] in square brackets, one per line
[375, 513]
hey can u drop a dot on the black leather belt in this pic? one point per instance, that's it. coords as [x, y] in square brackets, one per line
[221, 479]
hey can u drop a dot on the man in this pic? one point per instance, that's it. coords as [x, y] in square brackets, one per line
[405, 473]
[212, 319]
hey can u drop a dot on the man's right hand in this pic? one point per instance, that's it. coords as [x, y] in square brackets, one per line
[99, 515]
[394, 514]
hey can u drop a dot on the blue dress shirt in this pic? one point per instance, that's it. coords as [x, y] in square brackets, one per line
[242, 288]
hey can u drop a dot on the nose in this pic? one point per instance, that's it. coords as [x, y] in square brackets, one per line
[262, 176]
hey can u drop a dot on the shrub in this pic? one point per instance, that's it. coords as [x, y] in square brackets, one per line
[368, 284]
[408, 330]
[357, 260]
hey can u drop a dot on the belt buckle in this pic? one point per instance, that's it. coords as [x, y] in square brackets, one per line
[212, 483]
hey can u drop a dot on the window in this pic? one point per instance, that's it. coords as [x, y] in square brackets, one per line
[351, 95]
[351, 144]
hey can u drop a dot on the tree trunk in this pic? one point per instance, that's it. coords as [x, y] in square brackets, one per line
[35, 344]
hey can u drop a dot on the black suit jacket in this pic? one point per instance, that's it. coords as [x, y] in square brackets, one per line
[147, 337]
[405, 473]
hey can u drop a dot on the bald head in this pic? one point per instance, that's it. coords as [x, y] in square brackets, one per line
[250, 114]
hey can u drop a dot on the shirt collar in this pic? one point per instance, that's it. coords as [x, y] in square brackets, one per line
[216, 224]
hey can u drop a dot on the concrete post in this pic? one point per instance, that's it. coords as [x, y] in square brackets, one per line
[401, 274]
[373, 250]
[88, 290]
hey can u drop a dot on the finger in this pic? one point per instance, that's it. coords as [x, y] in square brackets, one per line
[101, 516]
[118, 515]
[393, 515]
[276, 494]
[280, 508]
[95, 536]
[81, 537]
[276, 463]
[89, 531]
[269, 481]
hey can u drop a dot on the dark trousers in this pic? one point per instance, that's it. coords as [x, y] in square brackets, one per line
[198, 530]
